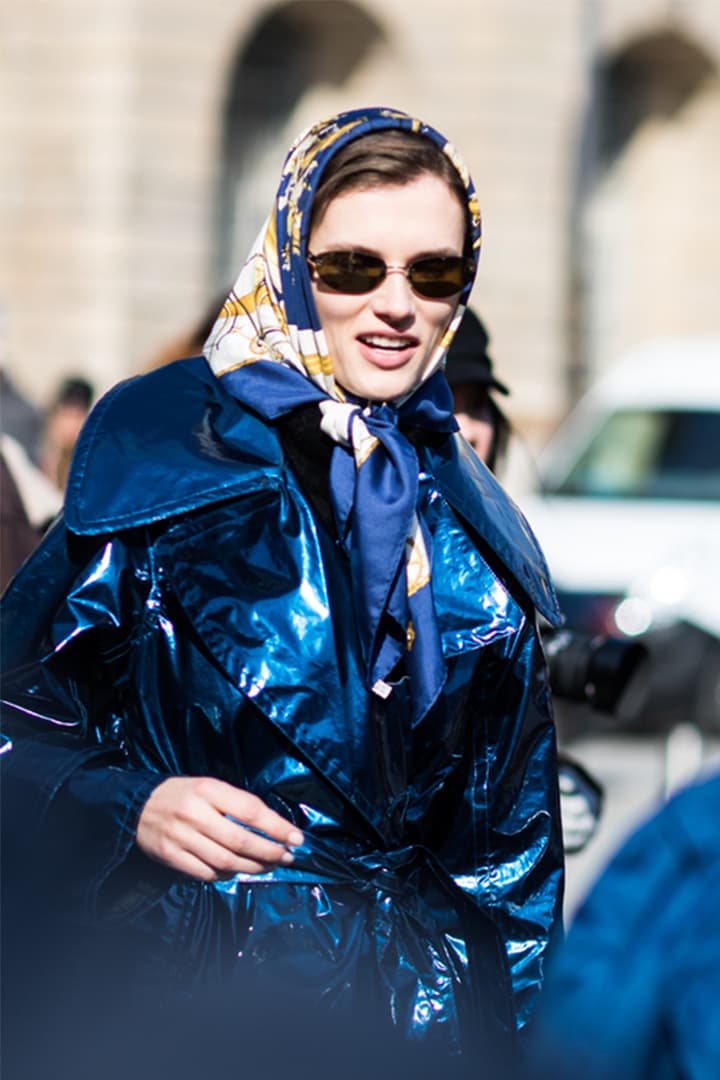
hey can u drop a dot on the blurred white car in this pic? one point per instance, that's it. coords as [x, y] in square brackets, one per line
[628, 514]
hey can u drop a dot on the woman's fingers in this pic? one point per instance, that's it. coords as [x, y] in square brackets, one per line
[240, 838]
[186, 824]
[247, 808]
[201, 856]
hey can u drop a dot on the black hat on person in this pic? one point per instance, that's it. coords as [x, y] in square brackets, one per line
[74, 391]
[467, 360]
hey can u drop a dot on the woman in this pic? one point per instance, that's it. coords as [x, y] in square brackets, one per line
[281, 587]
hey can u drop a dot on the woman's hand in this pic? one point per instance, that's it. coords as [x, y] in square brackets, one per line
[185, 825]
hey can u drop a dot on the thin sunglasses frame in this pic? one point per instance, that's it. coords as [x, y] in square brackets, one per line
[463, 262]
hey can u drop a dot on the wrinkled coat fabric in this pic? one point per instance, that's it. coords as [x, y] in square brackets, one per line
[189, 616]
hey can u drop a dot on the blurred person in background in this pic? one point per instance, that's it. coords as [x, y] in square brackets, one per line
[18, 538]
[276, 694]
[469, 371]
[29, 502]
[19, 418]
[35, 453]
[634, 991]
[63, 422]
[28, 499]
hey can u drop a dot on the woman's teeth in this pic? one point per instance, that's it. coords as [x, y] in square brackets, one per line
[377, 341]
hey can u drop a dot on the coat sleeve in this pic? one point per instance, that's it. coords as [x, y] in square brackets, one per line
[71, 799]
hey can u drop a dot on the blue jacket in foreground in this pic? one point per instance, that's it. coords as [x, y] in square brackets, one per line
[190, 615]
[635, 991]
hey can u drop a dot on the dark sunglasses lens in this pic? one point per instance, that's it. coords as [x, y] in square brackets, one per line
[350, 271]
[440, 276]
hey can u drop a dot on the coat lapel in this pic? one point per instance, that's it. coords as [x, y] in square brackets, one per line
[162, 444]
[478, 498]
[254, 576]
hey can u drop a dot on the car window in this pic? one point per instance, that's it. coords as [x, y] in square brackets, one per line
[663, 454]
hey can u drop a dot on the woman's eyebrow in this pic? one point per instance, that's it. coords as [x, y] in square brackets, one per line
[444, 249]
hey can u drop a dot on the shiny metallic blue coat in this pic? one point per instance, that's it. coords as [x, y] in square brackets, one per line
[190, 615]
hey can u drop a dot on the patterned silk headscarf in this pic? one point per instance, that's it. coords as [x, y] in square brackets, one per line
[269, 350]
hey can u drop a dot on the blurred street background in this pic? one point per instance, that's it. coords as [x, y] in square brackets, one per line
[140, 145]
[637, 772]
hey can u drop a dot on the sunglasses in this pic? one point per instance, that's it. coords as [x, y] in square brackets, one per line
[355, 272]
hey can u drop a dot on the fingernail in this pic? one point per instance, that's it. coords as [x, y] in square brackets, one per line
[287, 857]
[295, 839]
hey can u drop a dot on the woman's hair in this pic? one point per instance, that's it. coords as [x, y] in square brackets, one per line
[385, 158]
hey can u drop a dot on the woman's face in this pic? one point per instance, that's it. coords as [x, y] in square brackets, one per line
[380, 342]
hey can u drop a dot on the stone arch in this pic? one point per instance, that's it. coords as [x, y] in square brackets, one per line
[640, 111]
[293, 49]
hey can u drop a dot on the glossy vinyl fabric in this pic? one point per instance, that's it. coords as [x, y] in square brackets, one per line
[188, 616]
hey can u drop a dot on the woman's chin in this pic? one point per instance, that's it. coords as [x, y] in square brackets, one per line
[381, 386]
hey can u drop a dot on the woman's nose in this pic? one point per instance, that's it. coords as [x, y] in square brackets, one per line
[394, 297]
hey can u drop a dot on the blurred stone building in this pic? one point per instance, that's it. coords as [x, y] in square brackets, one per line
[141, 140]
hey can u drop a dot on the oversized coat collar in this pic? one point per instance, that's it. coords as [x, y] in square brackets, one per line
[170, 442]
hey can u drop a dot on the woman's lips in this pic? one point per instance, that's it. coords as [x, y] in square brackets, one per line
[387, 350]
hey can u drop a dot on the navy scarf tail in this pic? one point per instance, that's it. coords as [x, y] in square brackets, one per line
[374, 506]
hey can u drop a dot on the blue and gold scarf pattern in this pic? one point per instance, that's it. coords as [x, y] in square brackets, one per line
[268, 348]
